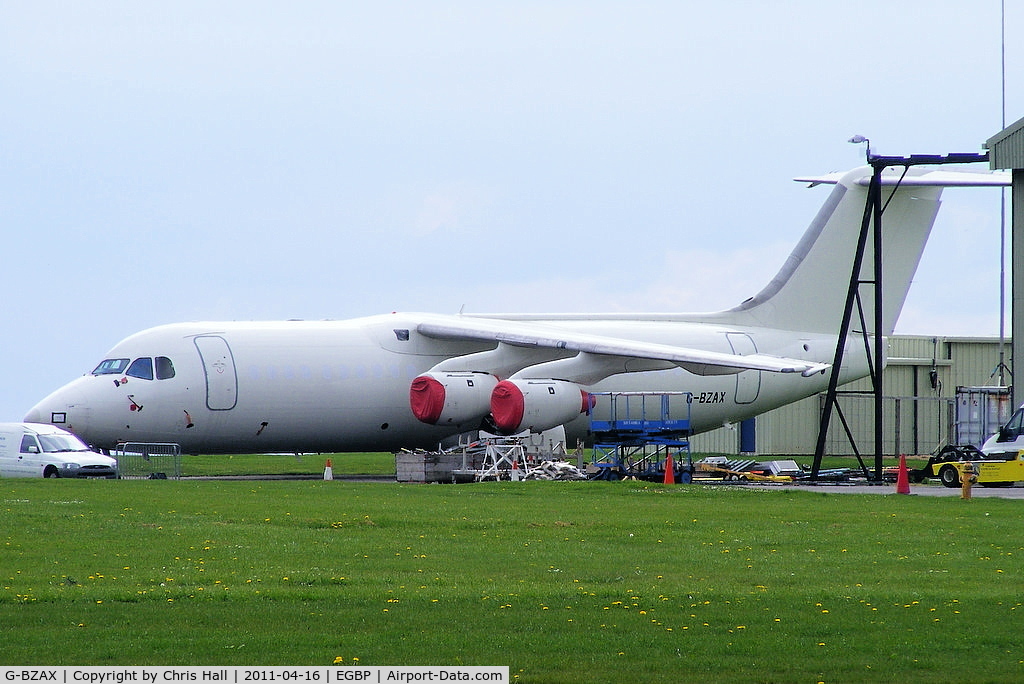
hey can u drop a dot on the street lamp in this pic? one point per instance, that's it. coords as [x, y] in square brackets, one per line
[858, 139]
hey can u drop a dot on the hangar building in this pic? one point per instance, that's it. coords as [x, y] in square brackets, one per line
[920, 413]
[1006, 152]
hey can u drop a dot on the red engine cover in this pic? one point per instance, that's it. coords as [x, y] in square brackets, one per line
[451, 398]
[536, 405]
[426, 398]
[508, 406]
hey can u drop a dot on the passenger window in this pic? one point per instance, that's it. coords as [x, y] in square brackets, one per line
[141, 368]
[29, 445]
[164, 368]
[111, 367]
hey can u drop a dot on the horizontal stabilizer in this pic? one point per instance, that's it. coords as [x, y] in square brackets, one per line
[920, 177]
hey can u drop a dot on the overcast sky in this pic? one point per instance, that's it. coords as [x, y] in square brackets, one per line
[264, 160]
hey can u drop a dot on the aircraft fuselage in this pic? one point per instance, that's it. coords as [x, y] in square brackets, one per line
[334, 386]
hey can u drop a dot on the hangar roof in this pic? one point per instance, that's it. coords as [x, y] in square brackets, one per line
[1006, 148]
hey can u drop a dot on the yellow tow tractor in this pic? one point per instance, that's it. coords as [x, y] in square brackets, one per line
[948, 466]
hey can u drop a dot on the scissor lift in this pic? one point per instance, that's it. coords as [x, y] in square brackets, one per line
[635, 432]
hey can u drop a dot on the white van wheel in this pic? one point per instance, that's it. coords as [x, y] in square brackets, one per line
[51, 471]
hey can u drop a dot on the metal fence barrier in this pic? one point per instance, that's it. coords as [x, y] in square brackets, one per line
[148, 460]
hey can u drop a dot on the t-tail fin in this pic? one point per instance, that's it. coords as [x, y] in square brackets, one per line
[809, 292]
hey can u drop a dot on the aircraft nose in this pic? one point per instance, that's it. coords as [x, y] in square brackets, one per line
[55, 406]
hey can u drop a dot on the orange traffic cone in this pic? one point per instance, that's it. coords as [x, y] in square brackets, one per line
[328, 471]
[902, 479]
[670, 470]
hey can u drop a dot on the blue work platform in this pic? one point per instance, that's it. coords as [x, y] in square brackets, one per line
[635, 432]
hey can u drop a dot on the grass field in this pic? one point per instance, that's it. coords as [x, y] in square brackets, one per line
[562, 582]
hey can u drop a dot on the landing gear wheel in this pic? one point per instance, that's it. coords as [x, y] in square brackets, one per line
[949, 476]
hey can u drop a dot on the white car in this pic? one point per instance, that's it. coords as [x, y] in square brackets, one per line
[37, 450]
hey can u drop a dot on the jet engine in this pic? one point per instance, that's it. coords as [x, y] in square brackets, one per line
[536, 405]
[451, 398]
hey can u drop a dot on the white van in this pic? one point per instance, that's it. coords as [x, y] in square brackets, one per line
[37, 450]
[1008, 440]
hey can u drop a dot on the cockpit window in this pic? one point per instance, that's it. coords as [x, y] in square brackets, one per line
[164, 368]
[141, 368]
[111, 367]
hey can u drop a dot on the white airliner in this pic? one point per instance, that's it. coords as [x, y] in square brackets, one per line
[409, 380]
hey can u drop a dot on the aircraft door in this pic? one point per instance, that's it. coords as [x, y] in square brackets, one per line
[748, 382]
[219, 367]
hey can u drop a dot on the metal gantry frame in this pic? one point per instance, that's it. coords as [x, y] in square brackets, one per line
[872, 221]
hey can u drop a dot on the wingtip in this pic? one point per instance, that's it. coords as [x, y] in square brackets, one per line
[815, 369]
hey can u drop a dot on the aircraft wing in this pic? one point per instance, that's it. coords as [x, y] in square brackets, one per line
[698, 361]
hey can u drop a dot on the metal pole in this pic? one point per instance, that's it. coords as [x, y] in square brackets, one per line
[876, 199]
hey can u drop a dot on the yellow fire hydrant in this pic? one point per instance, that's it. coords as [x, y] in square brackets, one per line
[968, 477]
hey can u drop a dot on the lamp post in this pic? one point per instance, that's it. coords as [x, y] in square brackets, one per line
[858, 139]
